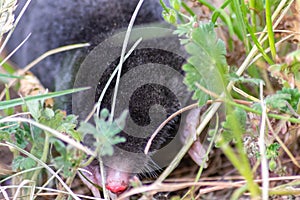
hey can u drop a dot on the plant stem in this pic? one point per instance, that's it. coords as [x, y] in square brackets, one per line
[270, 29]
[44, 156]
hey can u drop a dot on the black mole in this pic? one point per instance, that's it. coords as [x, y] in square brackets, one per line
[54, 23]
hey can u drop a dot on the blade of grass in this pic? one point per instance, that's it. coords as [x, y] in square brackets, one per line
[204, 2]
[14, 51]
[188, 9]
[21, 101]
[9, 76]
[215, 15]
[252, 14]
[219, 12]
[270, 29]
[240, 19]
[258, 45]
[227, 20]
[8, 111]
[124, 47]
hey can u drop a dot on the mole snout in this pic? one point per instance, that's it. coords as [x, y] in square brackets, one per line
[117, 181]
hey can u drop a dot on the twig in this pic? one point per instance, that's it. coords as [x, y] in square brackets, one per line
[125, 43]
[52, 131]
[165, 122]
[15, 24]
[45, 166]
[14, 51]
[262, 148]
[98, 104]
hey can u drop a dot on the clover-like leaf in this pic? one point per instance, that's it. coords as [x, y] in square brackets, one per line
[207, 63]
[105, 131]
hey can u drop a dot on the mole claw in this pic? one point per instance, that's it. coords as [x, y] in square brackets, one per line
[197, 153]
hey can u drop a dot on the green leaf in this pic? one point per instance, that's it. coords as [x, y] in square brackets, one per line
[15, 133]
[240, 79]
[34, 107]
[170, 16]
[294, 96]
[193, 76]
[176, 4]
[272, 165]
[23, 163]
[278, 101]
[281, 99]
[58, 121]
[105, 132]
[236, 119]
[273, 151]
[65, 160]
[9, 76]
[207, 63]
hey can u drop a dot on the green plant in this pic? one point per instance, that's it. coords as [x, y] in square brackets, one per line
[207, 75]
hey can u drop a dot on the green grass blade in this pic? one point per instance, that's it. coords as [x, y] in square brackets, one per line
[204, 2]
[188, 9]
[240, 20]
[258, 45]
[9, 76]
[21, 101]
[252, 4]
[270, 29]
[216, 14]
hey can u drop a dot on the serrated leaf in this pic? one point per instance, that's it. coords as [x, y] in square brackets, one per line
[273, 151]
[235, 78]
[193, 76]
[23, 163]
[294, 96]
[276, 101]
[65, 160]
[207, 63]
[237, 119]
[105, 132]
[15, 133]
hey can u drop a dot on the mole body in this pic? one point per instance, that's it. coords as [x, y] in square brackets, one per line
[159, 91]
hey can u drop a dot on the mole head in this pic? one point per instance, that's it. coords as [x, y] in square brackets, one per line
[151, 89]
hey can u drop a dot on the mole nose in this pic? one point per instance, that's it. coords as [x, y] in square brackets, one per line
[117, 189]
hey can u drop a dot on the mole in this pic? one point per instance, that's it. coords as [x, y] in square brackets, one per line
[152, 80]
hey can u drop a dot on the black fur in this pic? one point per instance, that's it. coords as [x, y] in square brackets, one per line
[54, 23]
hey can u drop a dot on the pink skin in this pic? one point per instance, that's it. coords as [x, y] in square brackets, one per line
[197, 151]
[116, 181]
